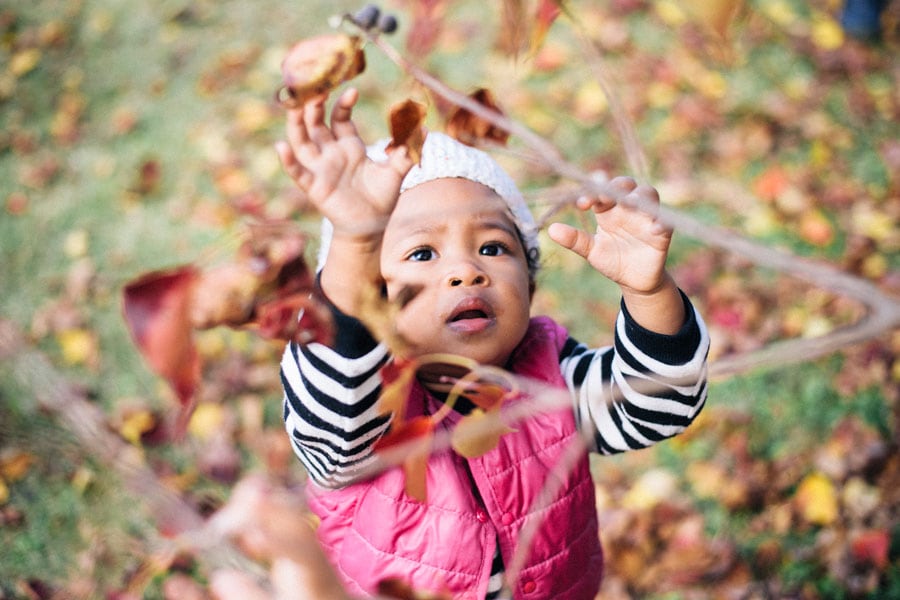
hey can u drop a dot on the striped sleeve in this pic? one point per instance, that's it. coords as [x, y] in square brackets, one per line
[644, 388]
[330, 402]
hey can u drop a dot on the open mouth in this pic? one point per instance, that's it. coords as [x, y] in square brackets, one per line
[469, 314]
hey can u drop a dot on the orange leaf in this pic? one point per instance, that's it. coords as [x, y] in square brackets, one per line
[415, 436]
[317, 65]
[396, 381]
[471, 129]
[157, 312]
[406, 120]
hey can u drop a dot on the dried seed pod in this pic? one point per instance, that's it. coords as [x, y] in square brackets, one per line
[387, 24]
[367, 16]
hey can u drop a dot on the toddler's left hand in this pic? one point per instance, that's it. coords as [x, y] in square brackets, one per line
[629, 246]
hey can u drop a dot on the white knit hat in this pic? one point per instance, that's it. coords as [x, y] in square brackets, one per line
[443, 156]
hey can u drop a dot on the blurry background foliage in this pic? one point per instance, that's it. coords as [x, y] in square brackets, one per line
[138, 135]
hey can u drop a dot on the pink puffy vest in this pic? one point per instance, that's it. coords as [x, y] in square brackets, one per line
[373, 530]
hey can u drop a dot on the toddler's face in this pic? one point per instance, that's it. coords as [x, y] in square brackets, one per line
[454, 239]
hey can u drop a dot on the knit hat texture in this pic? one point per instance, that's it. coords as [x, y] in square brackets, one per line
[443, 156]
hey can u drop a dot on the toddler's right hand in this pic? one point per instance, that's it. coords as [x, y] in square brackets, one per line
[330, 164]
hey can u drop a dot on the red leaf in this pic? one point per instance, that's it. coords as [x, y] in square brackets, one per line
[871, 547]
[157, 312]
[471, 129]
[547, 12]
[278, 319]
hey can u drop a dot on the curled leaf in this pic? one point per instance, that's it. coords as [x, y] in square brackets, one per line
[471, 129]
[478, 433]
[157, 312]
[317, 65]
[406, 119]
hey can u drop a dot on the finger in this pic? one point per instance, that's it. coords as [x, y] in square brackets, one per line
[341, 122]
[645, 198]
[291, 165]
[314, 119]
[598, 203]
[569, 237]
[297, 135]
[400, 161]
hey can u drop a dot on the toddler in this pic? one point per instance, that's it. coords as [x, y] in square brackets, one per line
[455, 229]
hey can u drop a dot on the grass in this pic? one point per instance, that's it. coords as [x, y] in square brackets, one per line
[182, 72]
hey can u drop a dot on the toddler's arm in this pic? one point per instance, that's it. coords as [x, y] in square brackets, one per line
[352, 191]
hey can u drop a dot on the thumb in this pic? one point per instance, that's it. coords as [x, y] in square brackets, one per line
[569, 237]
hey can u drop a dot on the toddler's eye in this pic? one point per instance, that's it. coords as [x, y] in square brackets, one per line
[493, 249]
[421, 254]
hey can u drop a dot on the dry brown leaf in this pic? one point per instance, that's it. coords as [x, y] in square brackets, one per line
[406, 119]
[317, 65]
[472, 129]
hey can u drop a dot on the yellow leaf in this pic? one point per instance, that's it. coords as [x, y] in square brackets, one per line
[590, 102]
[780, 11]
[706, 478]
[671, 12]
[135, 424]
[477, 433]
[817, 500]
[650, 489]
[826, 33]
[207, 419]
[24, 61]
[79, 346]
[4, 492]
[253, 115]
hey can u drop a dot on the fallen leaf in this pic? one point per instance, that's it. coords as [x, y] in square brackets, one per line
[816, 500]
[206, 420]
[871, 547]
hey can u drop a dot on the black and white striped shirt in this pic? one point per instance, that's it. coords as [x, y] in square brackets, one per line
[644, 388]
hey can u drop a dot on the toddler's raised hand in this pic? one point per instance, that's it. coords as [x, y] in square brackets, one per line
[629, 246]
[330, 164]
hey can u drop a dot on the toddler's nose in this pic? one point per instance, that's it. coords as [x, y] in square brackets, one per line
[467, 274]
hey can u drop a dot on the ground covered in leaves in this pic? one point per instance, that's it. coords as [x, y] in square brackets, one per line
[137, 137]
